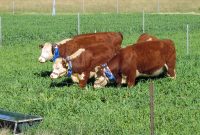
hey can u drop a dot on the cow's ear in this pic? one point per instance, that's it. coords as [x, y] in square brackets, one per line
[41, 46]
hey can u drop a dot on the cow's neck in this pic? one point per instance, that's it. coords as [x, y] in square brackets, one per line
[113, 65]
[67, 49]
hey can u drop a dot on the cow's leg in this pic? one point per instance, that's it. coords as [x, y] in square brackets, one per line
[131, 78]
[83, 82]
[118, 80]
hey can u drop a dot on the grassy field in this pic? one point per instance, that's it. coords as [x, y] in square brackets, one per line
[91, 6]
[25, 85]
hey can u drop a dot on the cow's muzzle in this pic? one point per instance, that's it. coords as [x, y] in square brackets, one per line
[42, 59]
[55, 75]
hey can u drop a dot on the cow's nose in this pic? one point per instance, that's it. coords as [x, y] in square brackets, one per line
[51, 76]
[41, 60]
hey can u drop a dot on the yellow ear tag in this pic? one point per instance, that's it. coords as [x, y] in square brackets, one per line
[76, 74]
[67, 65]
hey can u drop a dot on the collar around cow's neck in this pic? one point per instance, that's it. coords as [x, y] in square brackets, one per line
[56, 53]
[108, 73]
[69, 73]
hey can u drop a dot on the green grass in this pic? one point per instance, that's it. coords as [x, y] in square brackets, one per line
[26, 87]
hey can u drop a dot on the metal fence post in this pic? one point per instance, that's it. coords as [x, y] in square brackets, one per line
[83, 6]
[117, 5]
[187, 39]
[78, 17]
[158, 6]
[143, 21]
[151, 93]
[53, 7]
[13, 6]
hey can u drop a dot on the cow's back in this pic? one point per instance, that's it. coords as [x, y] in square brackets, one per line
[146, 37]
[112, 39]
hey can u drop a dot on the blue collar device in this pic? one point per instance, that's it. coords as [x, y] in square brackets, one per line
[69, 73]
[56, 54]
[108, 73]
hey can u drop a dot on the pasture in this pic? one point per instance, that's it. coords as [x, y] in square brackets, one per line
[25, 85]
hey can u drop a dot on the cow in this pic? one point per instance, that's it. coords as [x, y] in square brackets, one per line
[141, 59]
[146, 37]
[68, 46]
[83, 61]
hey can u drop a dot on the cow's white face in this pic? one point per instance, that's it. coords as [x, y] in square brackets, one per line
[59, 68]
[46, 53]
[100, 82]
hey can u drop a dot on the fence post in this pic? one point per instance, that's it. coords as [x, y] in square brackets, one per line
[117, 5]
[13, 6]
[53, 7]
[158, 6]
[83, 6]
[78, 17]
[151, 93]
[143, 21]
[187, 39]
[0, 33]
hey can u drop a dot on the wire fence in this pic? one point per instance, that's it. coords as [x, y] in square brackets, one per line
[94, 6]
[138, 23]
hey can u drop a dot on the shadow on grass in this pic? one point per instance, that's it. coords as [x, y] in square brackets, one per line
[139, 79]
[144, 79]
[21, 126]
[43, 74]
[68, 82]
[9, 126]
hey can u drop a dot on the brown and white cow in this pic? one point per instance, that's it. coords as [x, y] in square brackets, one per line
[141, 59]
[146, 37]
[69, 46]
[84, 61]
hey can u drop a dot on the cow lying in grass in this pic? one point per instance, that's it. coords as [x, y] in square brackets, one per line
[141, 59]
[83, 62]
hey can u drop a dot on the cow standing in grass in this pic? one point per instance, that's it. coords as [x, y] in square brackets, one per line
[141, 59]
[69, 46]
[146, 37]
